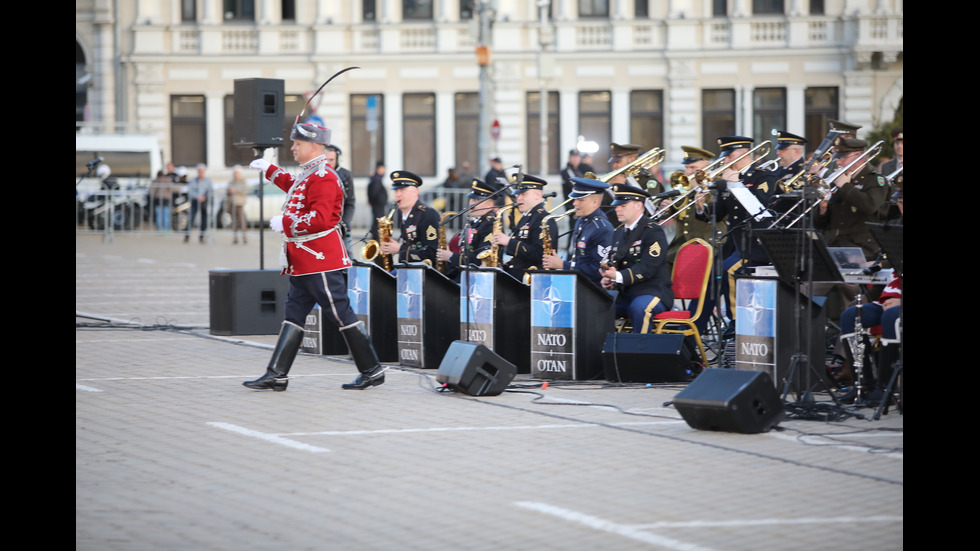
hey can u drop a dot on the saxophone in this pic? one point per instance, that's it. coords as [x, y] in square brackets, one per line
[492, 255]
[372, 248]
[549, 249]
[441, 264]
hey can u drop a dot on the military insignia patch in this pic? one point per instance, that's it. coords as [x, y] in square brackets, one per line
[655, 250]
[431, 233]
[881, 180]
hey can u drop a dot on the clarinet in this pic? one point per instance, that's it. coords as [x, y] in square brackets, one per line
[857, 347]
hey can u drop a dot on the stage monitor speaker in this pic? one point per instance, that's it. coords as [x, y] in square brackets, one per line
[731, 400]
[474, 369]
[247, 302]
[259, 112]
[645, 358]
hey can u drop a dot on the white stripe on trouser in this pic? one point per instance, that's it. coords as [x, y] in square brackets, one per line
[333, 307]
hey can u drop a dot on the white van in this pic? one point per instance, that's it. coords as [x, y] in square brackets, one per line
[134, 160]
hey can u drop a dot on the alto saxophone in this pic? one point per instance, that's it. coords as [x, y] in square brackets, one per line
[372, 248]
[546, 230]
[491, 256]
[441, 264]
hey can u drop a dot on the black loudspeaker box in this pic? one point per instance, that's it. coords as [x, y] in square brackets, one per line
[645, 358]
[259, 107]
[247, 302]
[474, 369]
[731, 400]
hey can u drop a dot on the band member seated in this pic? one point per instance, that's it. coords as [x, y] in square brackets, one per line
[592, 234]
[687, 226]
[476, 237]
[789, 151]
[526, 245]
[748, 250]
[419, 222]
[637, 264]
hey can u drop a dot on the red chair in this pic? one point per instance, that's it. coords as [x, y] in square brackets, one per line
[690, 275]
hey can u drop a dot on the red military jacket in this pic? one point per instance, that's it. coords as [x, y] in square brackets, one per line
[311, 218]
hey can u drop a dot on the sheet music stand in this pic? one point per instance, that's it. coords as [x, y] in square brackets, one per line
[784, 247]
[889, 238]
[800, 256]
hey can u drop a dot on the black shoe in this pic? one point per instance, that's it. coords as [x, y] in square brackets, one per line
[874, 399]
[187, 238]
[270, 381]
[374, 377]
[729, 333]
[848, 397]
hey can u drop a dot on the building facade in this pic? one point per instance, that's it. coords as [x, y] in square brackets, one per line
[659, 73]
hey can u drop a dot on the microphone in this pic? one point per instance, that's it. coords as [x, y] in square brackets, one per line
[547, 195]
[94, 162]
[666, 194]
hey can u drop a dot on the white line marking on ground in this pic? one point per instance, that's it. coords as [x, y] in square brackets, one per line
[273, 438]
[772, 522]
[86, 388]
[817, 440]
[608, 526]
[462, 429]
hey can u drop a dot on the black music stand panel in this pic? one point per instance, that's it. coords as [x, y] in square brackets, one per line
[495, 311]
[371, 291]
[320, 337]
[428, 315]
[890, 237]
[766, 336]
[785, 248]
[570, 317]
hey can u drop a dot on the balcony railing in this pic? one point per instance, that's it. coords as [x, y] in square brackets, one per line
[584, 35]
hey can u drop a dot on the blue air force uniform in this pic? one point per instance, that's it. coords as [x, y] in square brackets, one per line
[592, 234]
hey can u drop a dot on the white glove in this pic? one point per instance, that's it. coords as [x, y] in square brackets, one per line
[260, 164]
[276, 223]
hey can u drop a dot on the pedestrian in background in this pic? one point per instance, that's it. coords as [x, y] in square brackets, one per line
[161, 191]
[199, 194]
[237, 195]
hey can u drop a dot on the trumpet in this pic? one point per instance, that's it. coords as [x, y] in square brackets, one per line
[441, 264]
[372, 248]
[682, 183]
[646, 161]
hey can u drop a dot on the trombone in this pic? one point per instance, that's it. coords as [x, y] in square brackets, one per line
[825, 188]
[791, 184]
[646, 161]
[710, 173]
[760, 150]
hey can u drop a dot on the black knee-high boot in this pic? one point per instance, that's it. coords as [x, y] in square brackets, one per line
[359, 344]
[290, 339]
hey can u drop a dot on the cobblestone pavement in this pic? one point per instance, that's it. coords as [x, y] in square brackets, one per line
[172, 452]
